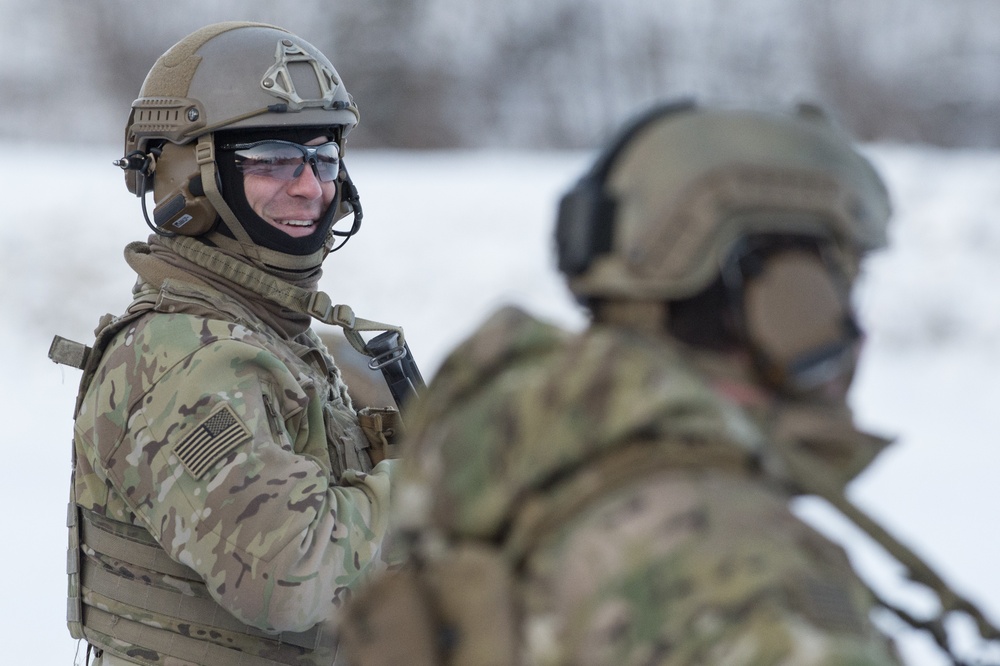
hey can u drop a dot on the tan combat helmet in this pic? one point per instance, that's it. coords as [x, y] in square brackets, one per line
[686, 199]
[661, 208]
[224, 77]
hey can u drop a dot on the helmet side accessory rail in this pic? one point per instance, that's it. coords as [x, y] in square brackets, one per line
[144, 166]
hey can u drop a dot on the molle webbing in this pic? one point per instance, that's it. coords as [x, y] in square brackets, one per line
[135, 600]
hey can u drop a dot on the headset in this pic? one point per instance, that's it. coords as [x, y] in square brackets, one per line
[800, 331]
[585, 222]
[185, 209]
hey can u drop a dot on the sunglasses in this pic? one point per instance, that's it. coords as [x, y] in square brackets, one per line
[285, 160]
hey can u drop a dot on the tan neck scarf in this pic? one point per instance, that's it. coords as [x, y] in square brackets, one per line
[156, 261]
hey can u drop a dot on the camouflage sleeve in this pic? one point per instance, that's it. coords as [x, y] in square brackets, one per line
[226, 462]
[697, 569]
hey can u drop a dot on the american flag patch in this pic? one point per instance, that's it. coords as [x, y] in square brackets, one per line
[211, 440]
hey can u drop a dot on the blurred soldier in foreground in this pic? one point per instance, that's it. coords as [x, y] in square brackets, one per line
[226, 495]
[621, 496]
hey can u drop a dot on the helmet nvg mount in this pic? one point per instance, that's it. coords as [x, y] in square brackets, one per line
[224, 77]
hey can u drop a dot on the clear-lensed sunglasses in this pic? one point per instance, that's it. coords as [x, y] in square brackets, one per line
[285, 160]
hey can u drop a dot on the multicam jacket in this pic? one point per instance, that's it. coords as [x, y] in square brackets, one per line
[595, 499]
[224, 504]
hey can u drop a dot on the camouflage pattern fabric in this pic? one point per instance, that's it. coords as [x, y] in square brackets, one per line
[209, 438]
[629, 498]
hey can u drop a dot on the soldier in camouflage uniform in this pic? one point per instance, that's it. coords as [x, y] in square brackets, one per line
[621, 495]
[226, 496]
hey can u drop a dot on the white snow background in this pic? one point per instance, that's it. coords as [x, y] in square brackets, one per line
[447, 237]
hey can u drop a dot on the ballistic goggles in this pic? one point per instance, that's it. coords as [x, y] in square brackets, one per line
[285, 160]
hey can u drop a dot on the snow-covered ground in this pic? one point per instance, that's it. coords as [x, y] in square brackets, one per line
[449, 236]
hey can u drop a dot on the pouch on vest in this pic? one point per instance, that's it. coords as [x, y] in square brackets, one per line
[391, 623]
[456, 611]
[383, 428]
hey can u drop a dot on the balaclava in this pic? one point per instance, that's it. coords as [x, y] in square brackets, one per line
[260, 231]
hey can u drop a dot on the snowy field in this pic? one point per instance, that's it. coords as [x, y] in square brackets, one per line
[448, 237]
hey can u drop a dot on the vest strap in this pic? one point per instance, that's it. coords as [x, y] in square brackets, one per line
[112, 633]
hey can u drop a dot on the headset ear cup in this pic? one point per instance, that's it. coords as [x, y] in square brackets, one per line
[585, 222]
[181, 205]
[184, 213]
[798, 322]
[583, 226]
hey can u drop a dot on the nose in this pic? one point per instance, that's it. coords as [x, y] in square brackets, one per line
[306, 184]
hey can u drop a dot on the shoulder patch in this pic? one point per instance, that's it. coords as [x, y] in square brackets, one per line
[211, 439]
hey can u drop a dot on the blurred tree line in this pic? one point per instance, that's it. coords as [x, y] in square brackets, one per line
[538, 73]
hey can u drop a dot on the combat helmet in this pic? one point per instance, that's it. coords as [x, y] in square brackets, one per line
[233, 79]
[683, 196]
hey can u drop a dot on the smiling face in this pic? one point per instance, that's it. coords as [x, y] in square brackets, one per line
[291, 206]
